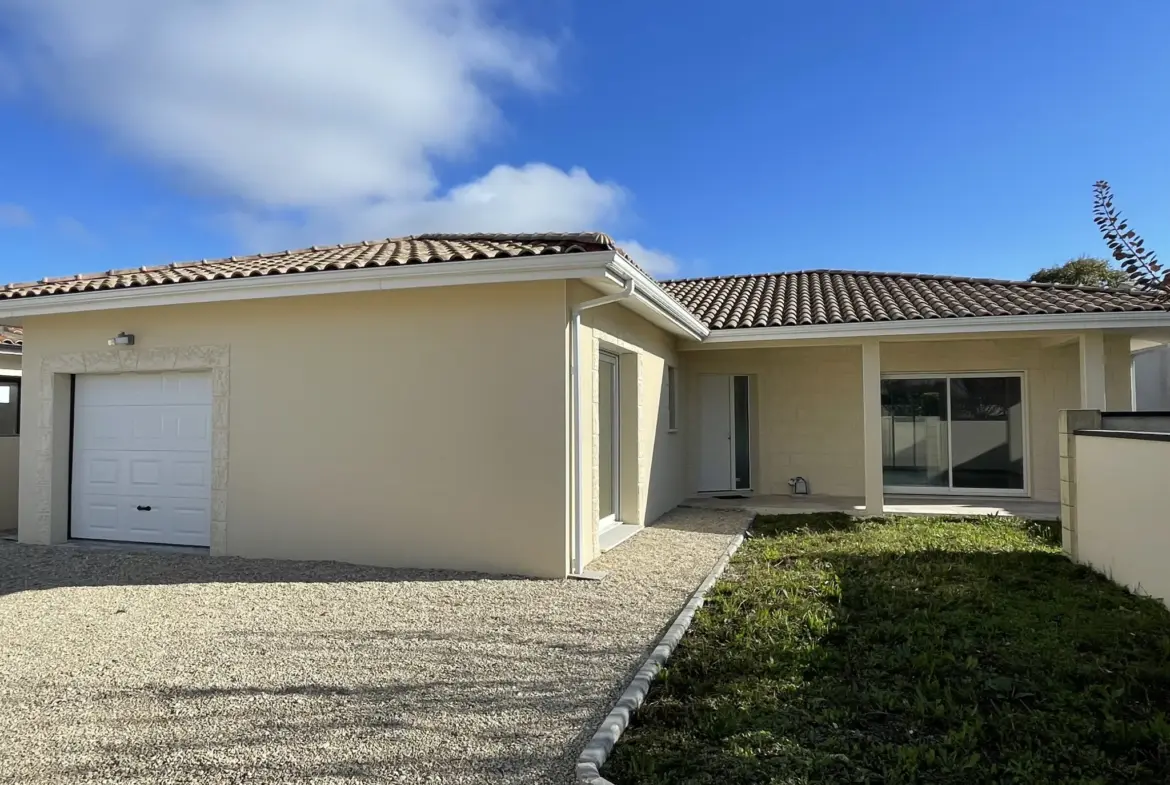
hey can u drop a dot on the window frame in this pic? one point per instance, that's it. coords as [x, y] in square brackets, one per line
[949, 489]
[15, 381]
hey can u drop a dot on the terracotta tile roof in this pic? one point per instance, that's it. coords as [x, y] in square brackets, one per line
[423, 249]
[836, 296]
[771, 300]
[11, 336]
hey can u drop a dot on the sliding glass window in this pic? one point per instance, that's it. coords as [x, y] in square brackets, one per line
[960, 432]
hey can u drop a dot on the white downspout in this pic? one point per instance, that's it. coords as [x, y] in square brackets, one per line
[577, 567]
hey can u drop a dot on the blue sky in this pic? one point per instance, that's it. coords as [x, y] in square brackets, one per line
[954, 138]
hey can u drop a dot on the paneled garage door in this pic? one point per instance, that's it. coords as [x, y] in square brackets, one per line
[142, 458]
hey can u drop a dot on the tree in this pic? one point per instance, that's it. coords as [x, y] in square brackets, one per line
[1140, 265]
[1083, 271]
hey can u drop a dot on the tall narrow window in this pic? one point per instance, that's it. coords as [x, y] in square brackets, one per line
[741, 386]
[671, 398]
[10, 407]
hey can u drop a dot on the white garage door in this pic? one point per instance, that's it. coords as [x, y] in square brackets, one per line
[142, 458]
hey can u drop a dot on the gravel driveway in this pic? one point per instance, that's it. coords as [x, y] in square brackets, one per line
[165, 668]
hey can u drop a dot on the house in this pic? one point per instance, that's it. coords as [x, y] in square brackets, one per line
[10, 346]
[515, 404]
[1151, 378]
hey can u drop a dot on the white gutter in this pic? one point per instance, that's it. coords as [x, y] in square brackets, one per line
[952, 326]
[400, 276]
[577, 566]
[652, 293]
[589, 266]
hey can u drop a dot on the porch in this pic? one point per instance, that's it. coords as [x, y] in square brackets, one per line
[786, 504]
[950, 424]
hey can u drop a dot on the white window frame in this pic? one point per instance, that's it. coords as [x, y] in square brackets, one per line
[615, 519]
[672, 399]
[950, 490]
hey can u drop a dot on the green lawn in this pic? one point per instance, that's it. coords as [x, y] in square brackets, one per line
[908, 650]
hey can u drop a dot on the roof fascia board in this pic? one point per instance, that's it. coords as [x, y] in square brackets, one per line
[976, 324]
[517, 269]
[649, 291]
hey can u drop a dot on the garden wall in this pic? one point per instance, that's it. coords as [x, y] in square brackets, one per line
[1115, 501]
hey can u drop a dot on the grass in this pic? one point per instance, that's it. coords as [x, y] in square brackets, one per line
[908, 650]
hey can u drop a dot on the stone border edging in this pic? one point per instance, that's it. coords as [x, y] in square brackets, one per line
[601, 745]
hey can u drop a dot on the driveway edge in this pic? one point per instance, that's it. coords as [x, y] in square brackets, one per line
[601, 745]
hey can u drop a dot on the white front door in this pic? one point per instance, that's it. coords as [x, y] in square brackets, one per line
[142, 458]
[715, 433]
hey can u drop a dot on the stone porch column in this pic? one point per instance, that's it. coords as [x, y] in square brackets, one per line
[1092, 346]
[871, 405]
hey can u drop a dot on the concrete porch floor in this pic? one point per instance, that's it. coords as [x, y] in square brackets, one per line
[895, 505]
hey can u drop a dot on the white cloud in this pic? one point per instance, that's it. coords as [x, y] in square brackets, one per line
[319, 119]
[658, 263]
[300, 103]
[507, 199]
[13, 216]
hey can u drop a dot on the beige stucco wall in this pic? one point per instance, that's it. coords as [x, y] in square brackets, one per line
[9, 458]
[808, 414]
[421, 428]
[652, 457]
[805, 408]
[1121, 525]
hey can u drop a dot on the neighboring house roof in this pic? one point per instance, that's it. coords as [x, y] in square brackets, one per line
[423, 249]
[817, 297]
[11, 336]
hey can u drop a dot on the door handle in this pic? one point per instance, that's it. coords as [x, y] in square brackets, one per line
[144, 508]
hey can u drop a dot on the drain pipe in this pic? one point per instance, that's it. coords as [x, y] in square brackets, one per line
[577, 567]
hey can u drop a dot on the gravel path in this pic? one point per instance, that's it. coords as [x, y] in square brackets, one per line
[162, 668]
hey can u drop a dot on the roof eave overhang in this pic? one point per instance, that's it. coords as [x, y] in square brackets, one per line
[597, 267]
[926, 328]
[257, 287]
[653, 302]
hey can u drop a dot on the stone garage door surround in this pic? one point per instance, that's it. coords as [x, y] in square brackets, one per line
[49, 520]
